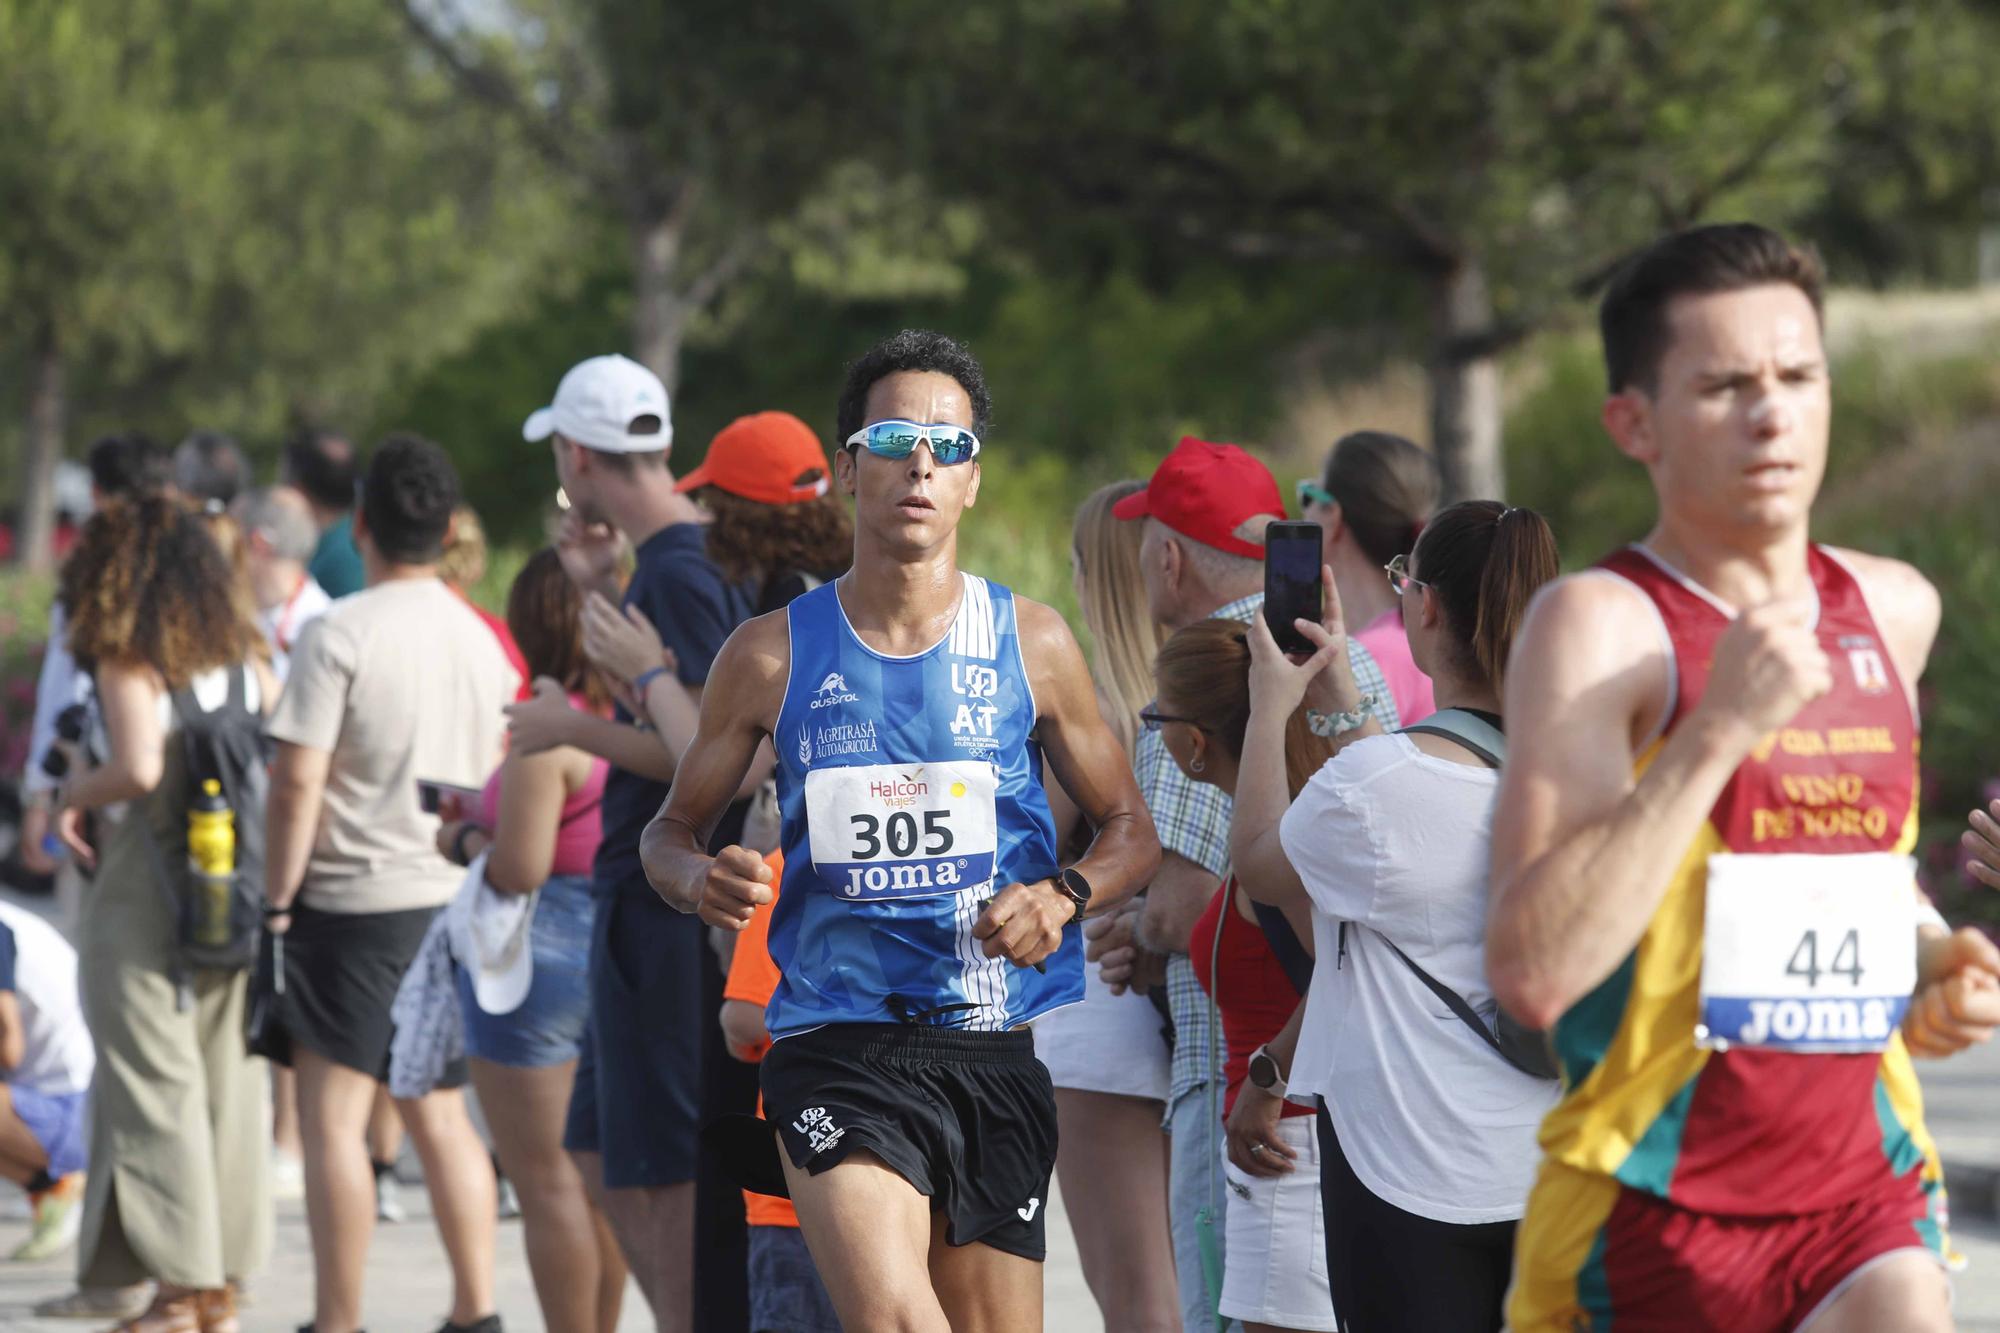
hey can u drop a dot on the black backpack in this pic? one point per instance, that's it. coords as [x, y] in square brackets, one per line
[225, 745]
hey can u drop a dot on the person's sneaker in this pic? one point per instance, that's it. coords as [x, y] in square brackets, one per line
[58, 1219]
[510, 1202]
[490, 1324]
[288, 1177]
[389, 1199]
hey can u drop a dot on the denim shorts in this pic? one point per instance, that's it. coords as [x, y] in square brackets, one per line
[547, 1028]
[60, 1122]
[786, 1294]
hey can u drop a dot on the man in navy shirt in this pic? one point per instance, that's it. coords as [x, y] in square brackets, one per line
[654, 1067]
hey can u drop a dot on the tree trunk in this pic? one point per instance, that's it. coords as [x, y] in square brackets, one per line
[41, 449]
[1465, 386]
[660, 310]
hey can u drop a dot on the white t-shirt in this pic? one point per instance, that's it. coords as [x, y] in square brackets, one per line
[283, 623]
[1429, 1116]
[39, 967]
[399, 682]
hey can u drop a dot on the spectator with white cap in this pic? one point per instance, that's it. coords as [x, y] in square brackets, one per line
[654, 1066]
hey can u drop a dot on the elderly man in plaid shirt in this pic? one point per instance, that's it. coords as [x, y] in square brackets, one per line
[1205, 510]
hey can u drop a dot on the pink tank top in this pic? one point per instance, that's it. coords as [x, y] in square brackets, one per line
[582, 826]
[1386, 642]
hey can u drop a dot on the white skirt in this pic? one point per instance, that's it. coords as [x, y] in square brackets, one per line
[1107, 1043]
[1274, 1252]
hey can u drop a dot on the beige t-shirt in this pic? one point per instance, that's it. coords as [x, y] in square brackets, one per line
[399, 682]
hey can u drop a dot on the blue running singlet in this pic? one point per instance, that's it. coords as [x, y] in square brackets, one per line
[911, 789]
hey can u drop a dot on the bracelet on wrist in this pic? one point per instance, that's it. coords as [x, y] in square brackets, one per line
[1328, 725]
[644, 679]
[272, 909]
[458, 852]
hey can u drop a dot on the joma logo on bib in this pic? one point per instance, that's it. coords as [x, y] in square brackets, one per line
[909, 879]
[1817, 1021]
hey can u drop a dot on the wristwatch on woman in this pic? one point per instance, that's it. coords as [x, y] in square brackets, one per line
[1265, 1075]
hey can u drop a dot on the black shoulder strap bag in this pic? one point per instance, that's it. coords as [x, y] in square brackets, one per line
[1525, 1048]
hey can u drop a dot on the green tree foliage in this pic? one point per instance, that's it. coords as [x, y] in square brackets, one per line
[242, 215]
[1499, 157]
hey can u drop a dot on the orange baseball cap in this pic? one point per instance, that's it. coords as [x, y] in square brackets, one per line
[770, 457]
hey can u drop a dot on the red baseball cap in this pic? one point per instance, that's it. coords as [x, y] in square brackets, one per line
[1209, 492]
[770, 457]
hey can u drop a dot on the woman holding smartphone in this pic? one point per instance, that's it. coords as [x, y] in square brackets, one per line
[538, 820]
[1426, 1133]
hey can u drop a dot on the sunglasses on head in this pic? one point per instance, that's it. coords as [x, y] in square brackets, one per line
[950, 445]
[1312, 493]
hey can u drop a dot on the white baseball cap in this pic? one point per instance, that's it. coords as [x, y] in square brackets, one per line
[597, 403]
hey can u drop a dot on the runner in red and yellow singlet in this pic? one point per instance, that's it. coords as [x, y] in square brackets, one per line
[1701, 856]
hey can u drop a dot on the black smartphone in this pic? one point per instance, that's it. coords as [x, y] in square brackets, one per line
[1292, 558]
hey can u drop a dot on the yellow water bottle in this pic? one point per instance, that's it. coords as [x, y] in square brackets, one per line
[212, 862]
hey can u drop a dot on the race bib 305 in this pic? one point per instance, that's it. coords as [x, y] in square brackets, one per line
[902, 830]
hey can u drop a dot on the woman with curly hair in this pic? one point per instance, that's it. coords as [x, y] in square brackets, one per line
[163, 624]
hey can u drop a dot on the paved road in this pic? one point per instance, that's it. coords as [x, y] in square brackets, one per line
[407, 1282]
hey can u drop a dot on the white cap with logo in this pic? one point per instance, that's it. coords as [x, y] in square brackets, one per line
[598, 403]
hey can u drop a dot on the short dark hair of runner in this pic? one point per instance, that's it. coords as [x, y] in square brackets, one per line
[751, 540]
[1386, 487]
[912, 351]
[128, 463]
[324, 465]
[1485, 561]
[147, 585]
[407, 498]
[545, 615]
[1725, 257]
[209, 466]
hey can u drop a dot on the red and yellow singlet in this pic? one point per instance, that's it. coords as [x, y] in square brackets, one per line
[1654, 1132]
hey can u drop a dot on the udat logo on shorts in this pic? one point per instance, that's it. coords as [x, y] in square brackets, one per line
[818, 1127]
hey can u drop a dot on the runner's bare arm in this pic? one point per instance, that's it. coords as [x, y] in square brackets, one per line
[738, 708]
[1024, 923]
[1582, 854]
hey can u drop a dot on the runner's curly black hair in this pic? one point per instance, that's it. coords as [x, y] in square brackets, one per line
[912, 350]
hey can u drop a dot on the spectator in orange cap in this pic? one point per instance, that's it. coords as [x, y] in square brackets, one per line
[776, 525]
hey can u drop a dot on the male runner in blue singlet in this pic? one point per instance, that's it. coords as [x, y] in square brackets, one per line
[924, 916]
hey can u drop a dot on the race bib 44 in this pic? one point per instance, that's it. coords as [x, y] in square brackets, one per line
[1807, 953]
[902, 830]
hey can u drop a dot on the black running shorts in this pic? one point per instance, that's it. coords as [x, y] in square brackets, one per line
[968, 1118]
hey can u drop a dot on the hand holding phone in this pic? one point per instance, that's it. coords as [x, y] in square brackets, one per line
[1292, 558]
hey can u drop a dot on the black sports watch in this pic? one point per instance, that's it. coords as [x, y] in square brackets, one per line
[1071, 884]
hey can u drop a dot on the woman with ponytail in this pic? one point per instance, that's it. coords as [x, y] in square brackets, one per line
[1426, 1131]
